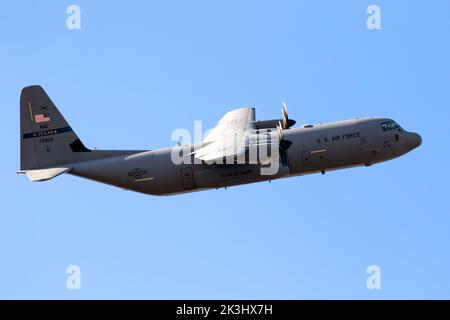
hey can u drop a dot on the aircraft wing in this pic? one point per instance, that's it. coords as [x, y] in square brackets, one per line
[227, 139]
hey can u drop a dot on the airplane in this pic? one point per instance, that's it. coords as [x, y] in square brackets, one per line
[224, 158]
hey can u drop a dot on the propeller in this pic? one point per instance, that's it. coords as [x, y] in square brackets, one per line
[286, 122]
[283, 144]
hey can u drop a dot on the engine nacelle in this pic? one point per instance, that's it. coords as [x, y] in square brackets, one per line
[270, 124]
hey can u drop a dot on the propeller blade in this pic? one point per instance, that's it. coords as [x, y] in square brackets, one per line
[284, 145]
[287, 123]
[285, 109]
[284, 159]
[280, 131]
[285, 117]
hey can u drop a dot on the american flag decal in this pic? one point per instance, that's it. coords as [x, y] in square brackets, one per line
[41, 118]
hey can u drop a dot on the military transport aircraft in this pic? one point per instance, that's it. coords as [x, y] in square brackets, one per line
[238, 150]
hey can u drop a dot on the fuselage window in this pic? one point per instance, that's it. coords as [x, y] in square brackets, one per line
[397, 137]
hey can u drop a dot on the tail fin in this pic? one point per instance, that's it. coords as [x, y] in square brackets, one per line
[46, 139]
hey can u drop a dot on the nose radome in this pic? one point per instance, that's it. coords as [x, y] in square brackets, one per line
[412, 141]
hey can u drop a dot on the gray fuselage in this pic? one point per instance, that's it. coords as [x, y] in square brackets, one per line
[317, 148]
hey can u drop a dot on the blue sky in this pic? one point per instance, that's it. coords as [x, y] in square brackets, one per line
[139, 69]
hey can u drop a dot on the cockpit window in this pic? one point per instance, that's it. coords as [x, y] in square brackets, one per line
[390, 125]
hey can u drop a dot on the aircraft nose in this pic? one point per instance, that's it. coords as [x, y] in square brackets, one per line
[412, 141]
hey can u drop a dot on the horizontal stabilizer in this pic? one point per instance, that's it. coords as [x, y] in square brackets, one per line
[44, 174]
